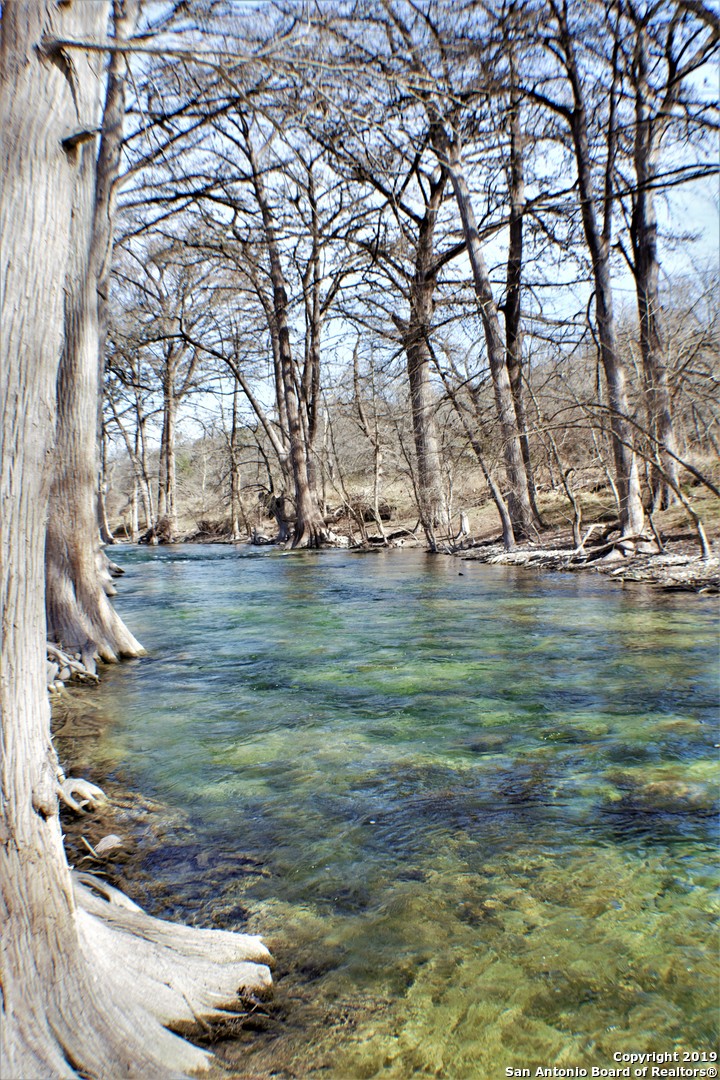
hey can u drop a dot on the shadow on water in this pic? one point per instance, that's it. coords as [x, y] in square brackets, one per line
[473, 814]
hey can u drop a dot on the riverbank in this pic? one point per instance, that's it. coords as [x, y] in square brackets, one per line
[678, 568]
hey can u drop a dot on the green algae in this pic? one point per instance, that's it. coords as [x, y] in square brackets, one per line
[483, 805]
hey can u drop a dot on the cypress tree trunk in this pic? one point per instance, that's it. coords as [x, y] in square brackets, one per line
[79, 614]
[79, 995]
[37, 112]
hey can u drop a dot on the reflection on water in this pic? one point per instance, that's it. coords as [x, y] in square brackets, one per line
[482, 801]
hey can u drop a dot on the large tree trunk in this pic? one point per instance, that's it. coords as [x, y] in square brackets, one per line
[518, 499]
[37, 112]
[125, 18]
[71, 978]
[79, 614]
[647, 271]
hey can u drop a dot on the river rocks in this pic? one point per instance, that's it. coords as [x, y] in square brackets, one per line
[676, 789]
[110, 843]
[679, 725]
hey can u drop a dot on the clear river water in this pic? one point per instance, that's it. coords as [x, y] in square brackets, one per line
[471, 809]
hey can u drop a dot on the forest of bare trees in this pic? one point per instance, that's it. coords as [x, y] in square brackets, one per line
[294, 268]
[403, 243]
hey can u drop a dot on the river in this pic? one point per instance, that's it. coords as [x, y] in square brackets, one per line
[470, 808]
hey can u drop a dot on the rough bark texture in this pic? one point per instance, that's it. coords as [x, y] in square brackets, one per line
[79, 614]
[66, 976]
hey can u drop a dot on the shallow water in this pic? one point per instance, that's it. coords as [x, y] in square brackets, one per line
[482, 801]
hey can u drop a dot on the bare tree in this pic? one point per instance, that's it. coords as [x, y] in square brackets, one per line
[596, 209]
[666, 48]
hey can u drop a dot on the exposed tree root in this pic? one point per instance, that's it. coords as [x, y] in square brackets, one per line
[140, 985]
[64, 667]
[187, 979]
[78, 794]
[689, 572]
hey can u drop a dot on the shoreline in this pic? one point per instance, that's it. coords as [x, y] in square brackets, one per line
[679, 567]
[676, 569]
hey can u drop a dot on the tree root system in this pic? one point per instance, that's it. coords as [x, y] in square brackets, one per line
[64, 667]
[191, 981]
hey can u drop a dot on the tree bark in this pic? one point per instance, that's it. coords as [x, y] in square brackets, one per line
[423, 404]
[513, 307]
[37, 112]
[79, 614]
[632, 512]
[235, 490]
[310, 529]
[103, 484]
[167, 502]
[68, 1005]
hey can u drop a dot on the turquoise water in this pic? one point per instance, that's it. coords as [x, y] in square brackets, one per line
[471, 809]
